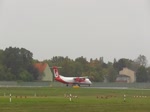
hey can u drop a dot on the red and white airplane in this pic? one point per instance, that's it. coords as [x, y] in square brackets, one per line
[70, 80]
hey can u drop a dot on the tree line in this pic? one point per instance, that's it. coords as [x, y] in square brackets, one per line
[18, 64]
[99, 71]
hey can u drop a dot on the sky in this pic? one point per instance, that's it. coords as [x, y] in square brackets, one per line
[74, 28]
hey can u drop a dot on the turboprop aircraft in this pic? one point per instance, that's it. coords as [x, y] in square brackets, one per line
[70, 80]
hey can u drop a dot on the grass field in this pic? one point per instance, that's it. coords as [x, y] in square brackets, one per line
[41, 99]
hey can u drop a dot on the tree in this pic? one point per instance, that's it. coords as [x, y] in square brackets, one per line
[35, 73]
[141, 60]
[112, 73]
[123, 63]
[16, 60]
[81, 60]
[25, 76]
[13, 59]
[148, 73]
[1, 56]
[142, 75]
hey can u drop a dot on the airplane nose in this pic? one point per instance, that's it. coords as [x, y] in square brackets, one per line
[90, 82]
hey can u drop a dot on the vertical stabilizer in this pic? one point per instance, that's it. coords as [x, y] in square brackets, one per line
[55, 70]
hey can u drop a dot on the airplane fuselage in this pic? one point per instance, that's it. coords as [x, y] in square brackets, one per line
[71, 80]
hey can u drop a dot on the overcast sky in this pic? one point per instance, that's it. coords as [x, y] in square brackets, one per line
[74, 28]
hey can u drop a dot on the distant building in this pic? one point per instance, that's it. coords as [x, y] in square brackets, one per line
[126, 75]
[44, 69]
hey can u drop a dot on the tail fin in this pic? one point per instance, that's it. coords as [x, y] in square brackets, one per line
[55, 70]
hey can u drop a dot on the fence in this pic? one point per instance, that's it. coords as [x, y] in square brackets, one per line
[57, 84]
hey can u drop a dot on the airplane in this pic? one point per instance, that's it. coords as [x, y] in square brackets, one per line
[70, 80]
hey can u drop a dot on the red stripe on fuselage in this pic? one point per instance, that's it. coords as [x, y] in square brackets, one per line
[62, 81]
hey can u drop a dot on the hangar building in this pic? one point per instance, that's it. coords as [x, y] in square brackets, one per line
[126, 75]
[45, 72]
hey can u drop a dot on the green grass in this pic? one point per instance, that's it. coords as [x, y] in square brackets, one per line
[53, 100]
